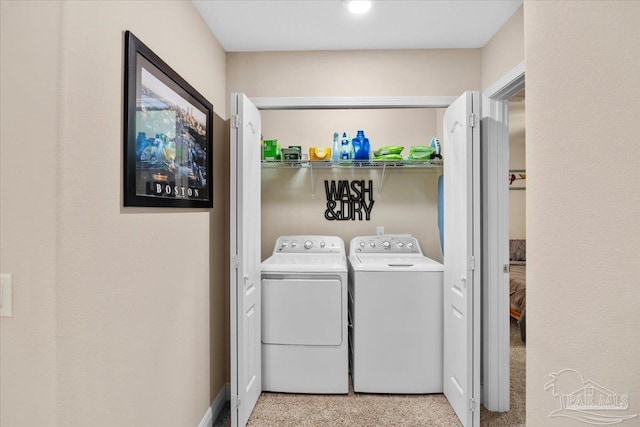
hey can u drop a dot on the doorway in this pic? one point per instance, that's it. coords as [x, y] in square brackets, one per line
[461, 123]
[517, 248]
[498, 330]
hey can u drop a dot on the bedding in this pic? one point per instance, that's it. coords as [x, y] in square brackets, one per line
[517, 288]
[518, 282]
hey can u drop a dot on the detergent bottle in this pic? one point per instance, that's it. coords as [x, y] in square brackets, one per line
[346, 149]
[361, 147]
[435, 144]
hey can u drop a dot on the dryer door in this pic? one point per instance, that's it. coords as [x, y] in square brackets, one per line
[302, 311]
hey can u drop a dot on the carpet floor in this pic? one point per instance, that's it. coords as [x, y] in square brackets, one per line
[367, 410]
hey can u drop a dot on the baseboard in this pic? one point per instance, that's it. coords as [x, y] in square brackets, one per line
[213, 411]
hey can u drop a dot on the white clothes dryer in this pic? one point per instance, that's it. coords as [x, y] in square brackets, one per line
[395, 303]
[304, 316]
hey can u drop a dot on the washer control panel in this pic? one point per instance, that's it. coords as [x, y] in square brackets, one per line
[397, 244]
[309, 244]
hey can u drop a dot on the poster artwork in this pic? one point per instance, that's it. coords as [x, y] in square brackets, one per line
[167, 134]
[348, 200]
[173, 162]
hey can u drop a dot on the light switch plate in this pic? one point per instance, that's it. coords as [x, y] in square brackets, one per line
[6, 295]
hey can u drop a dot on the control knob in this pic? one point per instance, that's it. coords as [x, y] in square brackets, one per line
[362, 244]
[386, 244]
[410, 245]
[322, 244]
[308, 244]
[400, 244]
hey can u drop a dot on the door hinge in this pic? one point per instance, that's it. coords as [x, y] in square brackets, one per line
[473, 120]
[473, 404]
[505, 268]
[236, 402]
[235, 121]
[236, 261]
[472, 263]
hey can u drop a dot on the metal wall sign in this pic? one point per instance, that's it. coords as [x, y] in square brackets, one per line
[348, 200]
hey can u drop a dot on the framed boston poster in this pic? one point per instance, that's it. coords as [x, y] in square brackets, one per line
[168, 134]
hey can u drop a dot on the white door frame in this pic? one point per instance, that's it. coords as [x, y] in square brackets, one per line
[507, 85]
[356, 102]
[495, 303]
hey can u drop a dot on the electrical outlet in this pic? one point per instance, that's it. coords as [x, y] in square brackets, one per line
[380, 230]
[6, 291]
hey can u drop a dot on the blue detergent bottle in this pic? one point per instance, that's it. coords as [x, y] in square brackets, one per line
[361, 147]
[345, 147]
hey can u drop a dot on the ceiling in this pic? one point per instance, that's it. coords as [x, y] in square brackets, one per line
[284, 25]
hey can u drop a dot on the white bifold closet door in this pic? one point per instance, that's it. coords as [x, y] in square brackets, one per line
[461, 154]
[245, 175]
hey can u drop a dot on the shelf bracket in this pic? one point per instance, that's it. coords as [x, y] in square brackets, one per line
[313, 182]
[384, 171]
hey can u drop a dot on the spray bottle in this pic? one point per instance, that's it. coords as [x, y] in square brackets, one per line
[335, 153]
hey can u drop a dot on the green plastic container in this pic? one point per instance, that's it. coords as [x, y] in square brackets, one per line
[271, 150]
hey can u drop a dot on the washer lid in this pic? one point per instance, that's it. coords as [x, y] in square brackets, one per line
[305, 263]
[386, 262]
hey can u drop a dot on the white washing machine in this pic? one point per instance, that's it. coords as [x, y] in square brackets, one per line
[396, 310]
[304, 316]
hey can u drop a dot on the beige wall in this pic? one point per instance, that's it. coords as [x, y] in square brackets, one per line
[583, 202]
[119, 312]
[407, 203]
[500, 55]
[504, 51]
[517, 161]
[354, 73]
[29, 111]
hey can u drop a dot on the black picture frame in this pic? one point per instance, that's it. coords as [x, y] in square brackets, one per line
[168, 134]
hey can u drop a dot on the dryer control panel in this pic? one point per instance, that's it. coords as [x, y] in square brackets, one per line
[309, 244]
[391, 243]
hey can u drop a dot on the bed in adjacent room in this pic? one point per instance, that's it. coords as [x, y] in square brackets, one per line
[518, 282]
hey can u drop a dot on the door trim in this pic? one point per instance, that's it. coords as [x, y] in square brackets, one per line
[507, 85]
[373, 102]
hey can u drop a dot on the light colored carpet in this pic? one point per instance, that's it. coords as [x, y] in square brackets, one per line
[368, 410]
[517, 411]
[353, 410]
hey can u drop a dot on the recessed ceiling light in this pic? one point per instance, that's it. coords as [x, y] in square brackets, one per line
[358, 6]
